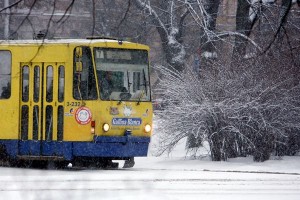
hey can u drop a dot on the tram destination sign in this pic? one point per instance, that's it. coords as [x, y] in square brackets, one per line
[126, 121]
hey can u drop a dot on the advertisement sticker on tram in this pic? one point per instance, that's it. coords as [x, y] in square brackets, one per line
[83, 115]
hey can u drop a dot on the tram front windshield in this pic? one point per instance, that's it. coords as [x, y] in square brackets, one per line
[123, 74]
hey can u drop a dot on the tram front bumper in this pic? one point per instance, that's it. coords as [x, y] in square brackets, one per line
[117, 147]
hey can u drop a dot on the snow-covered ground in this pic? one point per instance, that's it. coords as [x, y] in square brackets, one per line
[159, 178]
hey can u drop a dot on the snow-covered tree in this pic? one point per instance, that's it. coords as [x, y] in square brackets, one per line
[238, 113]
[168, 18]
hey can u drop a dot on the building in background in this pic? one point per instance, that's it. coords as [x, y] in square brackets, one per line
[62, 19]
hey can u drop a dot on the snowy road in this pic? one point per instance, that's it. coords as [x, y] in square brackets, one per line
[154, 178]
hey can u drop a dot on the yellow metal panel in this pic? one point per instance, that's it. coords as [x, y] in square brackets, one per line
[9, 117]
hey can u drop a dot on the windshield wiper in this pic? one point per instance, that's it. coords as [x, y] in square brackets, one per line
[143, 91]
[145, 81]
[128, 83]
[140, 97]
[124, 96]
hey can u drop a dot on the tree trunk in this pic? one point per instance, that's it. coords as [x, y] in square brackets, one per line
[211, 7]
[244, 26]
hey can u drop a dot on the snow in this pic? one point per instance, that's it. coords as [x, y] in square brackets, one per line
[58, 41]
[207, 54]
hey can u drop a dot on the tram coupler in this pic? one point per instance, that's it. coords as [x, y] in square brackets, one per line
[129, 163]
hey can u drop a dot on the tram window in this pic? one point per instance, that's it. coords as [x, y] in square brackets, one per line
[35, 124]
[84, 82]
[24, 122]
[49, 123]
[25, 84]
[61, 83]
[133, 67]
[5, 74]
[36, 87]
[60, 123]
[49, 94]
[111, 81]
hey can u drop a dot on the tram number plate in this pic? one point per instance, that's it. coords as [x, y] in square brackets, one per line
[73, 103]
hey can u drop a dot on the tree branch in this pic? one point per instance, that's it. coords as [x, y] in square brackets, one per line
[12, 5]
[286, 7]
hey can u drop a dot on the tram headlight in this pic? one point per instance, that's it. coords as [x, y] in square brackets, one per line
[147, 128]
[106, 127]
[92, 130]
[93, 124]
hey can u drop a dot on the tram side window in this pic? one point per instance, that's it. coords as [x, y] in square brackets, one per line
[61, 83]
[36, 84]
[5, 74]
[25, 84]
[84, 81]
[49, 94]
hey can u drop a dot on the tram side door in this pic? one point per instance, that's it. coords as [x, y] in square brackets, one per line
[41, 109]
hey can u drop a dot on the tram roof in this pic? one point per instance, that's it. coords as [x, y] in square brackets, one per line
[91, 42]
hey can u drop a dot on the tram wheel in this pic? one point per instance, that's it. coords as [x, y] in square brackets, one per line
[107, 164]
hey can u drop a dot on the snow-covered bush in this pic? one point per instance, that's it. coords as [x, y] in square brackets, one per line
[250, 108]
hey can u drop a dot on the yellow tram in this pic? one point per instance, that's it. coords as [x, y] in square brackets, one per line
[74, 100]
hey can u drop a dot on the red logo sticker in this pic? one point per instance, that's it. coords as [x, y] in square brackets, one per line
[83, 115]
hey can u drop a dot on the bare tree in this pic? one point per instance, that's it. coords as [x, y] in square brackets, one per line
[205, 15]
